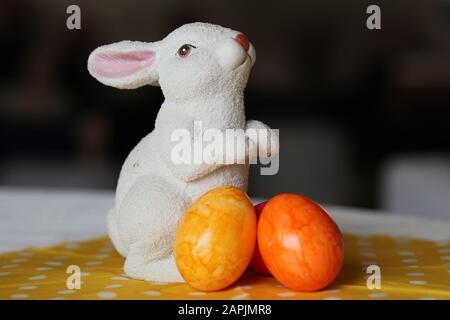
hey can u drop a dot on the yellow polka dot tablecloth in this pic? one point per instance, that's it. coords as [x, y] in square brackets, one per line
[409, 269]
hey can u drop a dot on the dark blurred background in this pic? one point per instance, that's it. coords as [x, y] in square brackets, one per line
[363, 114]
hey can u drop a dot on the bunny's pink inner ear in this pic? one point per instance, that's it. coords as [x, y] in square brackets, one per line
[120, 64]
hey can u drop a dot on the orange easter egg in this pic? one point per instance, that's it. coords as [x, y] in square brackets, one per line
[216, 238]
[257, 264]
[299, 242]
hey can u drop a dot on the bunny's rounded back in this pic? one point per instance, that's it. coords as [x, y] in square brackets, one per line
[202, 70]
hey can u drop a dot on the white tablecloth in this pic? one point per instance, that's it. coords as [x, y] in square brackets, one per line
[31, 217]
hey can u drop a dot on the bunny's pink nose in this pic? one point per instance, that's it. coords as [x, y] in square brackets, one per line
[243, 41]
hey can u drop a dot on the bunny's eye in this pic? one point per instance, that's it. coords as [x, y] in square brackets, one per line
[184, 50]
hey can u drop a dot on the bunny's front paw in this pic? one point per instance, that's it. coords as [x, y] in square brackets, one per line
[264, 140]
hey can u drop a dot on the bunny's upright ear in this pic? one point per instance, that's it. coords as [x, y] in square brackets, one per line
[125, 64]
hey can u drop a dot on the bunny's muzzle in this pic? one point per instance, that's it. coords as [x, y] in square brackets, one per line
[235, 52]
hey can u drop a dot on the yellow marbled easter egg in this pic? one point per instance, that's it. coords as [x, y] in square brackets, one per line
[216, 238]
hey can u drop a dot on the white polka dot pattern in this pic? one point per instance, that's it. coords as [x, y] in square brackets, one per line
[409, 269]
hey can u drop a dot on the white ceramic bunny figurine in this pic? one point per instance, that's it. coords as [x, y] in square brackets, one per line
[202, 70]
